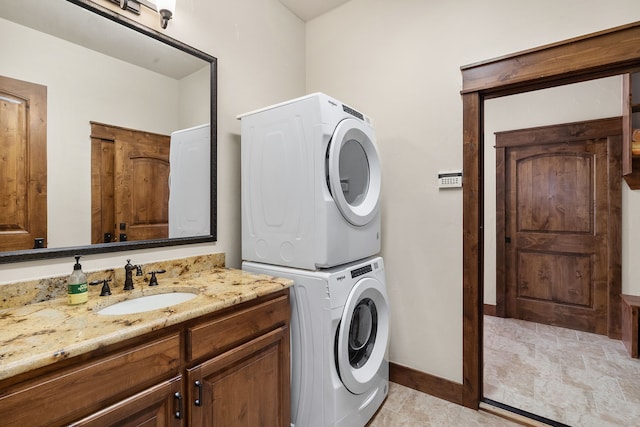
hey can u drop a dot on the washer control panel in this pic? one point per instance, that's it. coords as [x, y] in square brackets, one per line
[360, 271]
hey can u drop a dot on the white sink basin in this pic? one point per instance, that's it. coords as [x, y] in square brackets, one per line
[147, 303]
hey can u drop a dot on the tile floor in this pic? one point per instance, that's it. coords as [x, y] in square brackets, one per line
[573, 377]
[405, 407]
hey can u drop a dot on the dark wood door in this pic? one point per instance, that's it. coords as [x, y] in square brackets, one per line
[558, 202]
[23, 164]
[129, 184]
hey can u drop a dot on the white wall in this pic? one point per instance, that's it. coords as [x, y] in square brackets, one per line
[260, 49]
[399, 62]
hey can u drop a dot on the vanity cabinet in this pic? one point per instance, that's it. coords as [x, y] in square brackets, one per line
[243, 384]
[67, 394]
[227, 368]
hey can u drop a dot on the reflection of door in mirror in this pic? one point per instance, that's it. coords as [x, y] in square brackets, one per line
[129, 184]
[23, 165]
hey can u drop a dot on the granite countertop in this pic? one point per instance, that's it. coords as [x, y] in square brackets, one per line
[39, 334]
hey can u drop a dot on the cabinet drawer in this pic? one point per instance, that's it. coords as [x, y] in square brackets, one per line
[217, 335]
[81, 389]
[155, 406]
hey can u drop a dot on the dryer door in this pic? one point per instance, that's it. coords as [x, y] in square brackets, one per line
[363, 335]
[353, 172]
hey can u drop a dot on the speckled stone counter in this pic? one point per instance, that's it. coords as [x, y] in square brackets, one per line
[42, 333]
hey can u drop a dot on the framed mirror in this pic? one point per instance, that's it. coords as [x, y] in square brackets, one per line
[99, 69]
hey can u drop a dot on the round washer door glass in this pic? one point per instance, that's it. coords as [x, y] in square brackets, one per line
[362, 332]
[363, 335]
[353, 172]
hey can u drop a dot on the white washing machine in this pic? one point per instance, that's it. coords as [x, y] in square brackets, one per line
[310, 184]
[339, 342]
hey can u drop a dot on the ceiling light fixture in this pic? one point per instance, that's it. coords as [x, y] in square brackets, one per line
[166, 8]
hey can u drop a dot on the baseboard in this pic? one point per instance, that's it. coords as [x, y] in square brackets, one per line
[426, 383]
[489, 310]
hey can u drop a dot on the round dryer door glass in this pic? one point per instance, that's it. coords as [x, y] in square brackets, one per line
[353, 171]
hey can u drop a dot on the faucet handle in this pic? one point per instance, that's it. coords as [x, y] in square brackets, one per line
[154, 280]
[105, 286]
[138, 269]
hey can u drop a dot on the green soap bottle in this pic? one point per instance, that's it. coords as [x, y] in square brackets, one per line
[77, 288]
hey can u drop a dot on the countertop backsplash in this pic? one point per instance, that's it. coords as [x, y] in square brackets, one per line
[34, 291]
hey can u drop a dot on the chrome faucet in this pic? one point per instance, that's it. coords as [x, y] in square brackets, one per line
[128, 271]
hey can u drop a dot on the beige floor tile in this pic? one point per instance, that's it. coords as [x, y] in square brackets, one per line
[567, 376]
[405, 407]
[388, 418]
[592, 381]
[584, 380]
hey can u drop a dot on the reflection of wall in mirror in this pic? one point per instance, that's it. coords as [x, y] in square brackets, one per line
[189, 179]
[83, 86]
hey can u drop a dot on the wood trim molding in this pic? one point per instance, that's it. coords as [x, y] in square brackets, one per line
[603, 53]
[583, 58]
[472, 248]
[614, 277]
[576, 131]
[490, 310]
[426, 383]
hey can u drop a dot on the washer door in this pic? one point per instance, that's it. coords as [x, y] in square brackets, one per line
[363, 335]
[353, 172]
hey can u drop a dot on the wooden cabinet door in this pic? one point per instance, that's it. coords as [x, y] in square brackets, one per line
[23, 164]
[247, 386]
[158, 406]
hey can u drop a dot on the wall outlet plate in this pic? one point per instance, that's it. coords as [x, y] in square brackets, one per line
[450, 179]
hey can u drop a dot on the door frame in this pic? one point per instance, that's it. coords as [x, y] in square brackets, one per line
[611, 129]
[602, 54]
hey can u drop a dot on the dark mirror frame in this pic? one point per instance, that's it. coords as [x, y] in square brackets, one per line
[51, 253]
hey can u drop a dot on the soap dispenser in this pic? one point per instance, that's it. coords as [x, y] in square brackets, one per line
[77, 288]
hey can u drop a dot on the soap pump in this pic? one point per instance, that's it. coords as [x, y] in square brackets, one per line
[77, 288]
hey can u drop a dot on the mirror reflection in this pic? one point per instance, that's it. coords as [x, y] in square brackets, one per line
[99, 124]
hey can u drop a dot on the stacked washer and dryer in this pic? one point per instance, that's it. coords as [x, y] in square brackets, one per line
[311, 212]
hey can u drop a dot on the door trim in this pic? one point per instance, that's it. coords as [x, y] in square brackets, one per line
[611, 129]
[605, 53]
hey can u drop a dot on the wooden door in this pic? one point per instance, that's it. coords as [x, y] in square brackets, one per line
[244, 387]
[560, 195]
[142, 188]
[23, 165]
[130, 184]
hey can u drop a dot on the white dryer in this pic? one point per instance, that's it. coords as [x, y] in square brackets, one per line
[339, 342]
[310, 184]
